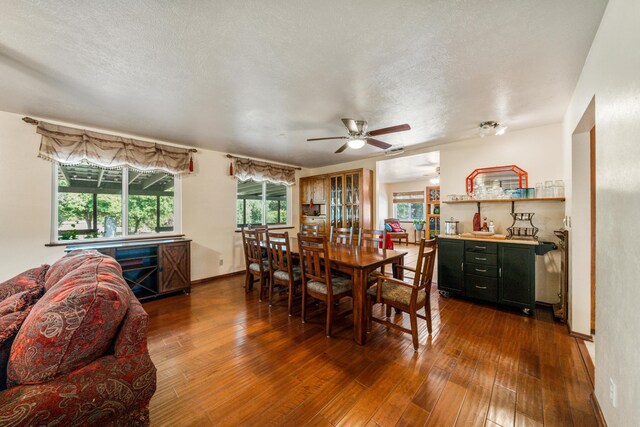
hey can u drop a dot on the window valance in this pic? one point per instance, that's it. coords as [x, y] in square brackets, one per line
[66, 145]
[248, 169]
[408, 197]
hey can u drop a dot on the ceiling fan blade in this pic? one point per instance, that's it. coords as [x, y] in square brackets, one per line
[330, 137]
[350, 124]
[341, 149]
[392, 129]
[378, 143]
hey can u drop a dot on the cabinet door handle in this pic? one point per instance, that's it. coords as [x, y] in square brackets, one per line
[481, 271]
[500, 272]
[480, 287]
[481, 259]
[481, 247]
[462, 266]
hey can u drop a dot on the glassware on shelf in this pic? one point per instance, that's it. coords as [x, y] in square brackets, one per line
[548, 189]
[539, 190]
[558, 188]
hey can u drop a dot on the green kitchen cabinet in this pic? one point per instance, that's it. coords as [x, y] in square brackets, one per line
[516, 284]
[491, 271]
[451, 265]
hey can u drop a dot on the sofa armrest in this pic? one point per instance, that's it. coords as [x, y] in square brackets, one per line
[104, 390]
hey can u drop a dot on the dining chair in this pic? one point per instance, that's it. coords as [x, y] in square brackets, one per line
[341, 235]
[375, 239]
[282, 271]
[408, 297]
[256, 261]
[317, 279]
[372, 238]
[309, 230]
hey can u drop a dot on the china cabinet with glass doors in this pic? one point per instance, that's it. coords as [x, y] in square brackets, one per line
[350, 199]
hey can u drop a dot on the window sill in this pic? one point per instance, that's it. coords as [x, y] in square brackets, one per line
[98, 241]
[283, 227]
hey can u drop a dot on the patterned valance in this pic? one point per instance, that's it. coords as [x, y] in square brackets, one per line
[66, 145]
[248, 169]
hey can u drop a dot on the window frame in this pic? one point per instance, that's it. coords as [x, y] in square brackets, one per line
[264, 206]
[177, 212]
[395, 212]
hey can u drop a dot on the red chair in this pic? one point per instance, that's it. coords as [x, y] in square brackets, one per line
[396, 230]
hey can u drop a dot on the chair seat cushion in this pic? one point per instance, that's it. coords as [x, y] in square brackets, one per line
[339, 285]
[284, 275]
[255, 267]
[395, 292]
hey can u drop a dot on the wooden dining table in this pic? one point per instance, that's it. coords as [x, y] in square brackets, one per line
[359, 262]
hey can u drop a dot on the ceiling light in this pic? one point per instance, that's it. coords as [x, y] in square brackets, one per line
[435, 181]
[491, 128]
[356, 143]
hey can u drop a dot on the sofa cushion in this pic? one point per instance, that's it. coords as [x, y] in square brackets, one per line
[23, 281]
[13, 311]
[74, 323]
[67, 264]
[20, 301]
[388, 227]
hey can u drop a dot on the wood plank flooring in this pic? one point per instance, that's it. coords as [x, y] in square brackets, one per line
[223, 358]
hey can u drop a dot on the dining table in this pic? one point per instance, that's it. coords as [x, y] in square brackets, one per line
[359, 262]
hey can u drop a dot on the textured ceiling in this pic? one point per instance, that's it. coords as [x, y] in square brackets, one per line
[258, 78]
[409, 168]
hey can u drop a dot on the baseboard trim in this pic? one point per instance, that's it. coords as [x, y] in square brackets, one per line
[587, 362]
[596, 410]
[578, 334]
[219, 277]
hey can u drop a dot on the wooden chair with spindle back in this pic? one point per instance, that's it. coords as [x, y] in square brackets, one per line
[408, 297]
[341, 235]
[255, 260]
[282, 271]
[317, 279]
[309, 230]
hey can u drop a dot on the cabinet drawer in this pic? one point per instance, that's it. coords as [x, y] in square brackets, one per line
[480, 258]
[481, 270]
[481, 247]
[484, 288]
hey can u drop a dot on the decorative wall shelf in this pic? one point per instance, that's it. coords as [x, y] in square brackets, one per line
[540, 199]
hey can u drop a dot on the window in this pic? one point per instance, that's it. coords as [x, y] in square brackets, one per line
[94, 203]
[408, 206]
[261, 203]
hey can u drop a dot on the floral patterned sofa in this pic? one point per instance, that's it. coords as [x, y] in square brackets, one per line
[73, 346]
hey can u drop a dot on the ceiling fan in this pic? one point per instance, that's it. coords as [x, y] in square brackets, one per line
[358, 135]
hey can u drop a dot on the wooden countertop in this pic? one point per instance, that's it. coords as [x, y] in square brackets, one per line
[498, 238]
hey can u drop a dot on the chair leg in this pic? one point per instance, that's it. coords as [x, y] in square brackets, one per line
[290, 290]
[248, 282]
[388, 310]
[270, 292]
[427, 313]
[414, 329]
[304, 304]
[329, 317]
[369, 312]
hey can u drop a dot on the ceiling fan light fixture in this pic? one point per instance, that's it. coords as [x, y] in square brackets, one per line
[356, 143]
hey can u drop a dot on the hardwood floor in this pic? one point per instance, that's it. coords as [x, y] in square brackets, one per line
[223, 358]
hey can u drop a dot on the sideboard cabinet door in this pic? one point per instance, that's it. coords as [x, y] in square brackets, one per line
[175, 271]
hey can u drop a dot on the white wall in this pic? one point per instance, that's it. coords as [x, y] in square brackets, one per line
[611, 74]
[25, 199]
[539, 152]
[208, 207]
